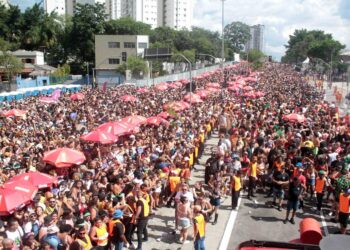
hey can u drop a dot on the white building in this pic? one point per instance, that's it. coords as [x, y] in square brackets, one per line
[176, 14]
[145, 11]
[257, 38]
[113, 9]
[58, 6]
[5, 3]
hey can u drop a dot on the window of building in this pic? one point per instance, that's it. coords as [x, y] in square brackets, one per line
[143, 45]
[113, 60]
[113, 44]
[129, 45]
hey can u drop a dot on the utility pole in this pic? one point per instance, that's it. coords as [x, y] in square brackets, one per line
[223, 35]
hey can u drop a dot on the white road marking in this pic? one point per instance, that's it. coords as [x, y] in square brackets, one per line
[324, 224]
[229, 227]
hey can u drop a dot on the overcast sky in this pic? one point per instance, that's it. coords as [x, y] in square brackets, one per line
[280, 17]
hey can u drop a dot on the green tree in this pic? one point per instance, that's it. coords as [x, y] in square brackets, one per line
[62, 71]
[88, 21]
[255, 55]
[126, 26]
[237, 34]
[314, 44]
[163, 37]
[10, 65]
[136, 65]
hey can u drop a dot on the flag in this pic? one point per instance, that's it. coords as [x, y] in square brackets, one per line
[104, 87]
[56, 94]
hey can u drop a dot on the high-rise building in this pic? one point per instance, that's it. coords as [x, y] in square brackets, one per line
[176, 14]
[257, 38]
[58, 6]
[4, 2]
[72, 4]
[141, 10]
[113, 9]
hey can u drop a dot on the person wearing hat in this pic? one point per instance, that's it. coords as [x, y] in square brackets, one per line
[320, 186]
[51, 237]
[117, 231]
[344, 210]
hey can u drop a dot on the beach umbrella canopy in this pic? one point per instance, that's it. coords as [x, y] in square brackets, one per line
[99, 136]
[142, 90]
[162, 86]
[233, 88]
[48, 100]
[119, 128]
[177, 106]
[64, 157]
[36, 179]
[135, 120]
[213, 90]
[13, 198]
[128, 98]
[213, 85]
[156, 121]
[247, 88]
[294, 118]
[203, 93]
[164, 115]
[14, 112]
[77, 96]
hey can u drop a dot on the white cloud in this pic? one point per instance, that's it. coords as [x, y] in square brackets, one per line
[280, 17]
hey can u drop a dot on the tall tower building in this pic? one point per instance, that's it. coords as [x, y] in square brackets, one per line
[72, 4]
[113, 9]
[176, 14]
[141, 10]
[58, 6]
[257, 38]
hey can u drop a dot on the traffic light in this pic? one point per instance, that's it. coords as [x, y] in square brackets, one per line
[124, 56]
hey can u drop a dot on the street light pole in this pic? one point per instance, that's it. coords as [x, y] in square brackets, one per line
[190, 64]
[209, 56]
[87, 73]
[223, 34]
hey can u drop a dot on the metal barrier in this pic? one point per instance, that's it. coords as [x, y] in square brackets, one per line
[175, 77]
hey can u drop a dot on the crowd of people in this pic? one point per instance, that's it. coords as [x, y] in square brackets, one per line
[106, 202]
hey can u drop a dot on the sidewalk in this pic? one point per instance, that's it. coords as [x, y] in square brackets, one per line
[161, 225]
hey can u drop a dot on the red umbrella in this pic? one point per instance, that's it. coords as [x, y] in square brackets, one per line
[193, 96]
[164, 115]
[142, 90]
[250, 79]
[259, 94]
[48, 100]
[128, 98]
[177, 106]
[203, 93]
[99, 136]
[162, 86]
[213, 85]
[294, 118]
[14, 112]
[64, 157]
[13, 198]
[247, 88]
[186, 105]
[119, 128]
[184, 81]
[77, 96]
[37, 179]
[135, 120]
[214, 90]
[233, 88]
[157, 120]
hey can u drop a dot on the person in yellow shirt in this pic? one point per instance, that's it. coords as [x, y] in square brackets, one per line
[236, 186]
[252, 176]
[199, 228]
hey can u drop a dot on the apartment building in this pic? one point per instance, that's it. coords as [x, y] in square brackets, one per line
[257, 38]
[58, 6]
[177, 14]
[145, 11]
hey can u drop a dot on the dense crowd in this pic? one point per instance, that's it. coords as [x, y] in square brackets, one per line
[103, 202]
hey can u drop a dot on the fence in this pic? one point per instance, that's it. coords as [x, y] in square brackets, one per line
[175, 77]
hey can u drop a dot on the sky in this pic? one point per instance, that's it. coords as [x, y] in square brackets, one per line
[280, 17]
